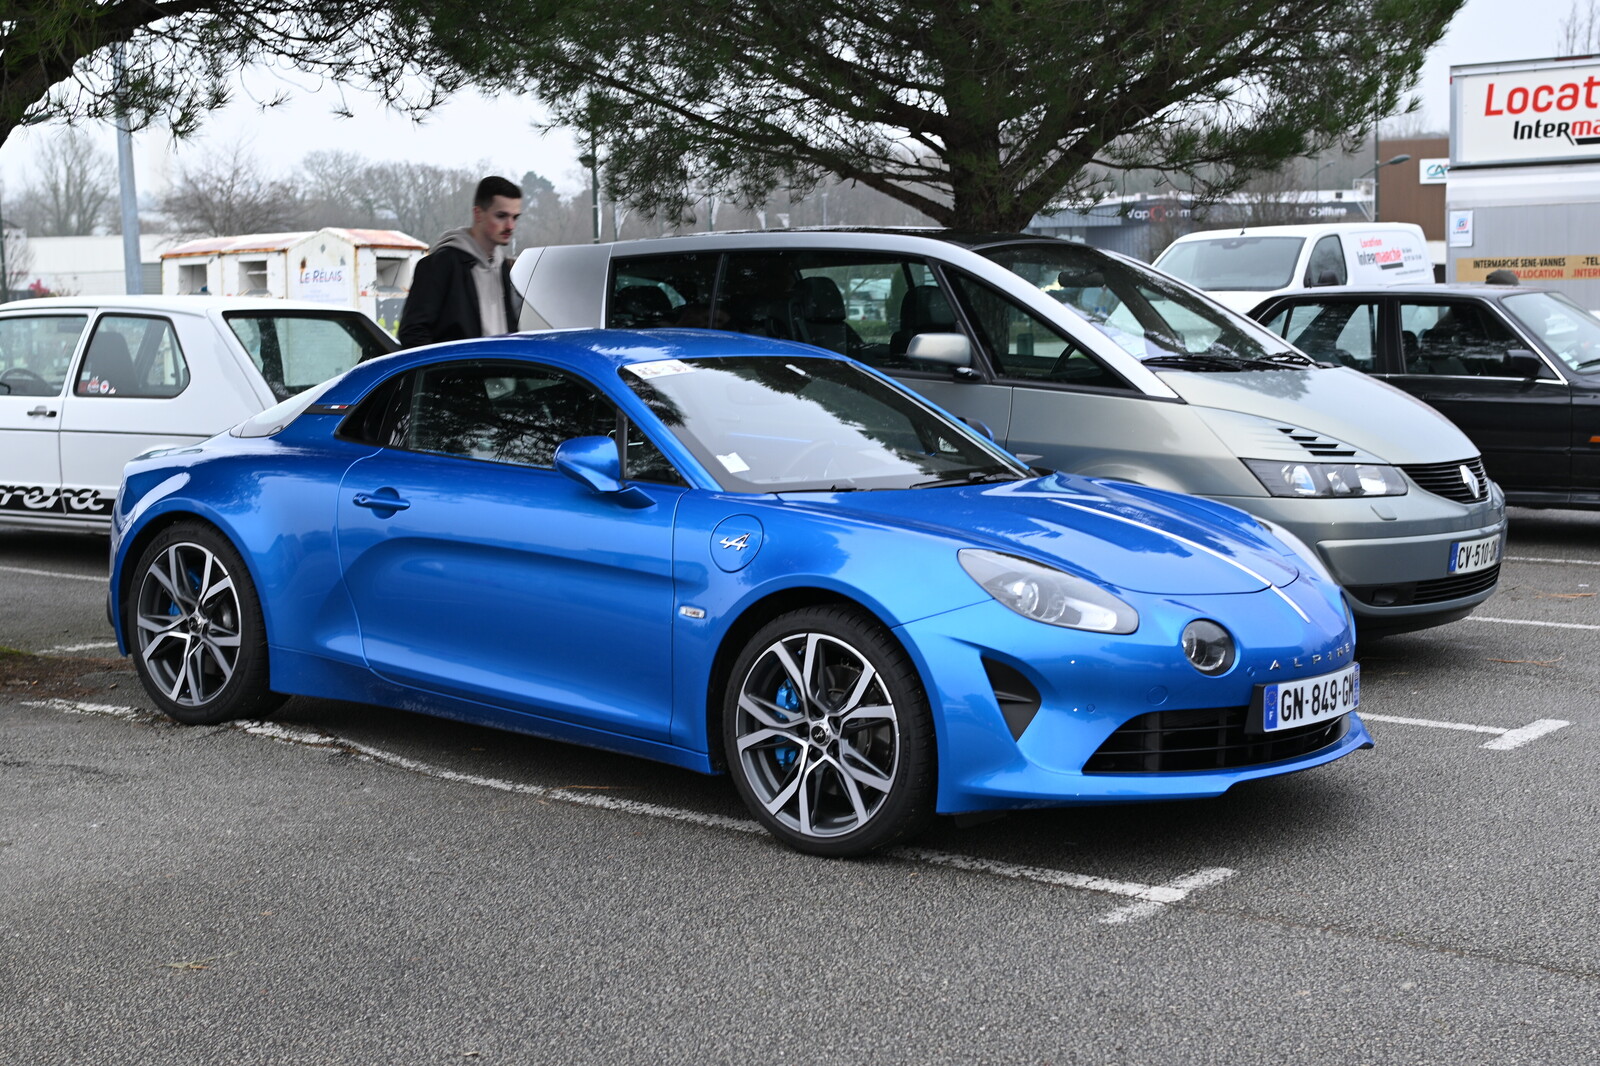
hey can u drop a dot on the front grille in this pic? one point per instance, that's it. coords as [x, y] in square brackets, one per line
[1444, 479]
[1436, 591]
[1207, 739]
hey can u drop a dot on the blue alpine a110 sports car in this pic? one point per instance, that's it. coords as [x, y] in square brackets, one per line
[729, 554]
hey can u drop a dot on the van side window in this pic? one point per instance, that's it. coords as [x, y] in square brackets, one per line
[1344, 332]
[866, 305]
[1455, 338]
[1326, 266]
[1023, 346]
[649, 292]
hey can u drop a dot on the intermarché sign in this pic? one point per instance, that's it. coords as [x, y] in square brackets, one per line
[1509, 113]
[1531, 267]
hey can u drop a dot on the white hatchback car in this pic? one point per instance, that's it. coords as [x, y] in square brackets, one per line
[87, 383]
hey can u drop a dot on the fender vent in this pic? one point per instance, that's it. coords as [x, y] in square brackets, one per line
[1320, 446]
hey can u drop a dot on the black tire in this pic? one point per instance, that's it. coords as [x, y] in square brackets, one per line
[843, 763]
[193, 623]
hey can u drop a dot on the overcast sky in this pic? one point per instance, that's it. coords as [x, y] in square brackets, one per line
[500, 133]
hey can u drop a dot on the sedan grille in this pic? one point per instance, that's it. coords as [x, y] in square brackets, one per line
[1444, 479]
[1436, 591]
[1207, 739]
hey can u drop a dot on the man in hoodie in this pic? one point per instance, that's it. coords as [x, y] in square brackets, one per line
[462, 287]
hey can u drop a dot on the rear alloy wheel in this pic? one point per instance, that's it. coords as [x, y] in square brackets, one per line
[198, 641]
[828, 734]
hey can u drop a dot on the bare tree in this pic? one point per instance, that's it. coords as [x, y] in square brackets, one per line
[420, 199]
[227, 193]
[1580, 30]
[73, 192]
[335, 191]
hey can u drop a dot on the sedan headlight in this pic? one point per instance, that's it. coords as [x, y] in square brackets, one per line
[1047, 595]
[1327, 479]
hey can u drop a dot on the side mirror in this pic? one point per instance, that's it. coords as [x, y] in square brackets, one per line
[593, 461]
[1522, 363]
[945, 349]
[981, 428]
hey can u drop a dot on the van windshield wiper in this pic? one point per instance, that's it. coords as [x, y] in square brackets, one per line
[1228, 363]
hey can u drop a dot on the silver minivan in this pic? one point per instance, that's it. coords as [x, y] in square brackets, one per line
[1080, 360]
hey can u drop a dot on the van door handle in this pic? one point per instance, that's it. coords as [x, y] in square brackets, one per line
[380, 501]
[41, 412]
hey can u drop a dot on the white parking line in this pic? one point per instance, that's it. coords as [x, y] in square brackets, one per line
[1529, 622]
[1505, 739]
[1149, 899]
[1543, 559]
[62, 649]
[54, 573]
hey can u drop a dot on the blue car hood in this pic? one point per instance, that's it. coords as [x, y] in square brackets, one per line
[1129, 537]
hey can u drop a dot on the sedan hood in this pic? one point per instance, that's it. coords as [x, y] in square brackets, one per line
[1337, 402]
[1127, 536]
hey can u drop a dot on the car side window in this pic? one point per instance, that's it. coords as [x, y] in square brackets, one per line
[497, 412]
[1454, 337]
[650, 292]
[1326, 265]
[1344, 332]
[1022, 345]
[36, 353]
[133, 356]
[866, 305]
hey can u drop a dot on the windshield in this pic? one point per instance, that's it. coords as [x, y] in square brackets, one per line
[773, 424]
[295, 350]
[1148, 314]
[1561, 325]
[1259, 264]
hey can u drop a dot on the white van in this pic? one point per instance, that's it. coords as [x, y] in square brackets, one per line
[1239, 268]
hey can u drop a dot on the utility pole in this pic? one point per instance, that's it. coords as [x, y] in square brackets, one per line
[132, 269]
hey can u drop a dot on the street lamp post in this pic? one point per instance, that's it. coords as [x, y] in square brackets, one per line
[1401, 158]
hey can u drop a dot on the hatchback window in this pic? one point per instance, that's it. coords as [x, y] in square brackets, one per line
[36, 353]
[295, 350]
[133, 357]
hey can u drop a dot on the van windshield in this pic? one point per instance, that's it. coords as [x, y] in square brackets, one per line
[1147, 313]
[1248, 264]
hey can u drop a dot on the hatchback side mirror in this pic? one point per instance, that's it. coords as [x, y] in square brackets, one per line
[1522, 363]
[593, 461]
[945, 349]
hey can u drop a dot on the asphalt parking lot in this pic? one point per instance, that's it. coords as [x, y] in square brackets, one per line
[345, 884]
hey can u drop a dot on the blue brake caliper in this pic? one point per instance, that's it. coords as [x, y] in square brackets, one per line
[789, 700]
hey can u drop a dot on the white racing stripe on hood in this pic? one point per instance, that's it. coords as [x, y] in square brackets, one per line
[1195, 545]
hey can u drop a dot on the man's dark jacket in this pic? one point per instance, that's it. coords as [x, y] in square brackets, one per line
[443, 302]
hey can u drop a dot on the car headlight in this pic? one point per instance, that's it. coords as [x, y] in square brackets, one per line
[1327, 479]
[1208, 647]
[1047, 595]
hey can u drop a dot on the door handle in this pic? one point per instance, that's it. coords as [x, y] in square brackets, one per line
[41, 412]
[380, 502]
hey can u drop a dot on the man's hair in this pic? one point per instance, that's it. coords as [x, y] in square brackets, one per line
[491, 187]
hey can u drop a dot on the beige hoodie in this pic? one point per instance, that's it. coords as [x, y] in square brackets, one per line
[485, 279]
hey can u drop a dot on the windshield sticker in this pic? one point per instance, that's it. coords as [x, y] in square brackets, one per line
[659, 369]
[732, 463]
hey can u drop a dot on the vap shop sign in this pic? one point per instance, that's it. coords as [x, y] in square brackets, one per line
[1509, 113]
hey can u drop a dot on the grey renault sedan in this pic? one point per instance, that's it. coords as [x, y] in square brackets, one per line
[1084, 361]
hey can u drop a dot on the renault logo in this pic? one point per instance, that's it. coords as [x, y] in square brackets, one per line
[1469, 479]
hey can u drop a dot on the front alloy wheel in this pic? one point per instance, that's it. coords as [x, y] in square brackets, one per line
[197, 630]
[828, 734]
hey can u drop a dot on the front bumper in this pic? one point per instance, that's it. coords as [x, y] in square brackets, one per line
[1088, 685]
